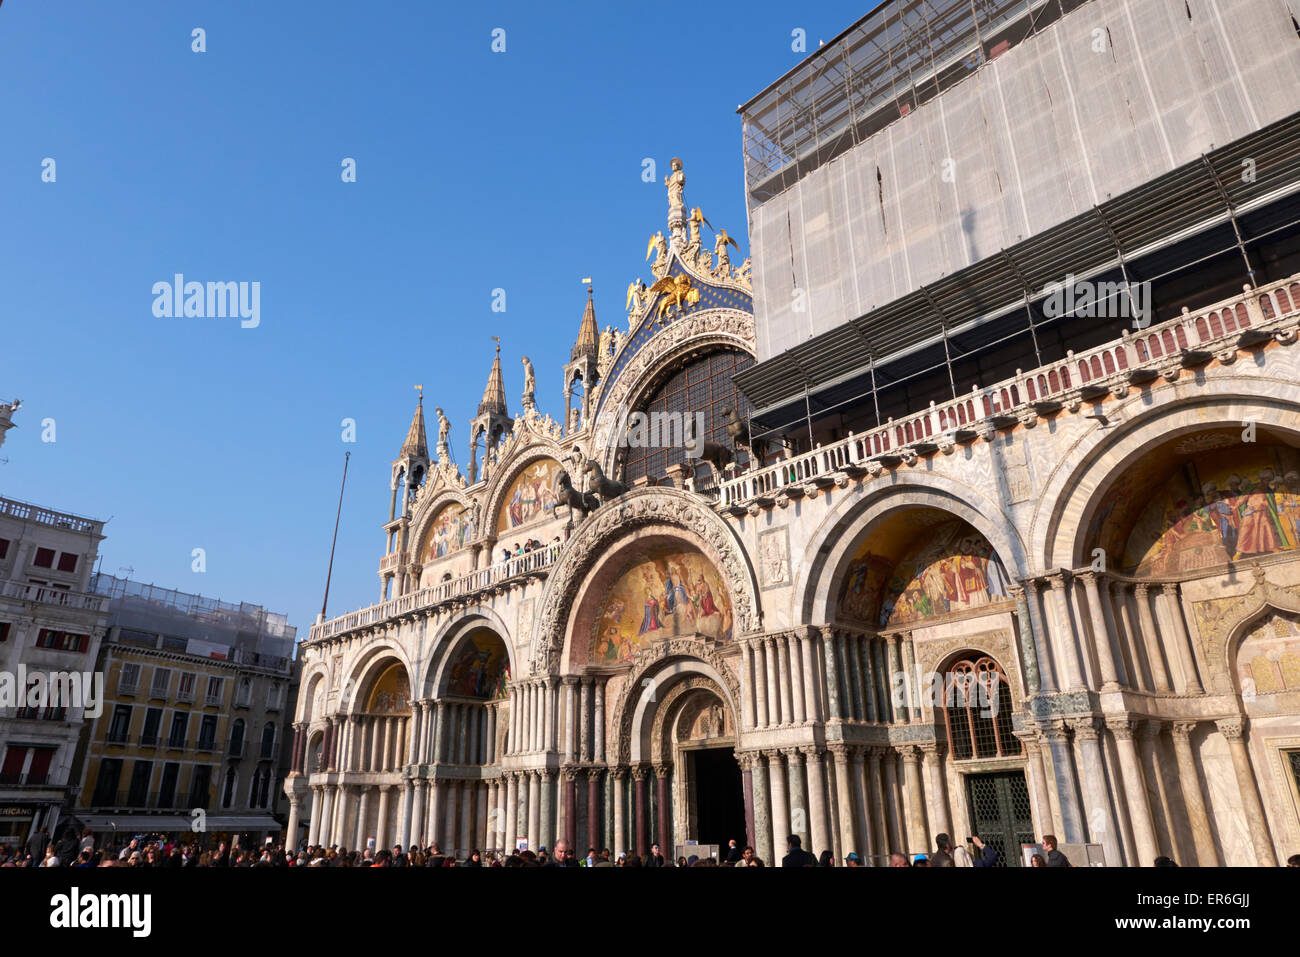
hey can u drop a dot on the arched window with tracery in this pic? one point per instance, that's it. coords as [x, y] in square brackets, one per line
[977, 710]
[701, 385]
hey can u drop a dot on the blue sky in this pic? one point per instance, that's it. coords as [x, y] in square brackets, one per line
[475, 171]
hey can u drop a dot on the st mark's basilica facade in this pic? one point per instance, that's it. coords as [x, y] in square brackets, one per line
[1069, 606]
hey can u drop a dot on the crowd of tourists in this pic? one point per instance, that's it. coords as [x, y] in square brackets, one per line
[73, 850]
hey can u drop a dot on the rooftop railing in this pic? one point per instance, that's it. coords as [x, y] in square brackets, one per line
[47, 516]
[453, 588]
[53, 596]
[1189, 340]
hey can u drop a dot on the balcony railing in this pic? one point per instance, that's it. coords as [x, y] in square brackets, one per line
[46, 516]
[478, 580]
[1188, 340]
[390, 561]
[53, 596]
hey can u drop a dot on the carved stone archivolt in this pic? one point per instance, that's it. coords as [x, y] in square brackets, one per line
[648, 662]
[516, 456]
[670, 508]
[725, 328]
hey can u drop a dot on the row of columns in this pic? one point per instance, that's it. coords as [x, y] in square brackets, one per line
[1137, 630]
[871, 800]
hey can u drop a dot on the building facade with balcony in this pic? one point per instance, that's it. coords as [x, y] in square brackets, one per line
[49, 626]
[198, 698]
[969, 548]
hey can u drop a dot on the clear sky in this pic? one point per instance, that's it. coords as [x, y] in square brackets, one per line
[475, 171]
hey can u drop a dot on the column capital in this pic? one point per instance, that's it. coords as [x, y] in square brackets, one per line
[1089, 578]
[827, 632]
[1054, 733]
[1028, 740]
[661, 770]
[570, 680]
[1057, 580]
[1231, 728]
[932, 748]
[874, 753]
[1122, 728]
[840, 751]
[1183, 729]
[910, 752]
[812, 754]
[1141, 589]
[640, 772]
[385, 788]
[620, 772]
[420, 784]
[570, 773]
[1017, 590]
[792, 754]
[1085, 729]
[593, 773]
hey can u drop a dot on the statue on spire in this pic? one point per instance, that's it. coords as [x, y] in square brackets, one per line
[444, 429]
[676, 183]
[530, 387]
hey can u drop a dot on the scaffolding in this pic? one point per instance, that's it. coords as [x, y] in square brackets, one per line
[244, 628]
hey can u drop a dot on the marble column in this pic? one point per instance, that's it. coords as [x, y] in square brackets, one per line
[852, 671]
[1092, 772]
[570, 720]
[584, 742]
[880, 659]
[640, 774]
[1182, 642]
[848, 837]
[1028, 641]
[781, 651]
[790, 642]
[862, 804]
[511, 839]
[598, 723]
[384, 826]
[1037, 782]
[438, 813]
[569, 800]
[807, 639]
[546, 824]
[1151, 640]
[620, 806]
[663, 826]
[780, 801]
[895, 824]
[1231, 728]
[1127, 634]
[834, 709]
[917, 832]
[1135, 791]
[418, 800]
[313, 826]
[878, 843]
[800, 812]
[747, 686]
[291, 832]
[773, 677]
[1101, 635]
[762, 837]
[534, 811]
[821, 830]
[898, 694]
[1067, 643]
[762, 716]
[913, 676]
[862, 645]
[1067, 784]
[327, 818]
[593, 808]
[440, 733]
[936, 792]
[1189, 779]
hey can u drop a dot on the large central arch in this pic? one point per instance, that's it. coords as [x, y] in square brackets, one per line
[668, 512]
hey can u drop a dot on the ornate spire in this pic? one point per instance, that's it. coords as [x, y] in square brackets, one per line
[587, 344]
[416, 444]
[494, 396]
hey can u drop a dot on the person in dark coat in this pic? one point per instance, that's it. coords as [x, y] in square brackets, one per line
[982, 855]
[1054, 857]
[733, 852]
[797, 857]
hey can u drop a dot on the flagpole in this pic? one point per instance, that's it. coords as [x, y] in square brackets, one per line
[334, 542]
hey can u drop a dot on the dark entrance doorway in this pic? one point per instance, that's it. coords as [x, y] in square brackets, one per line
[1000, 815]
[718, 800]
